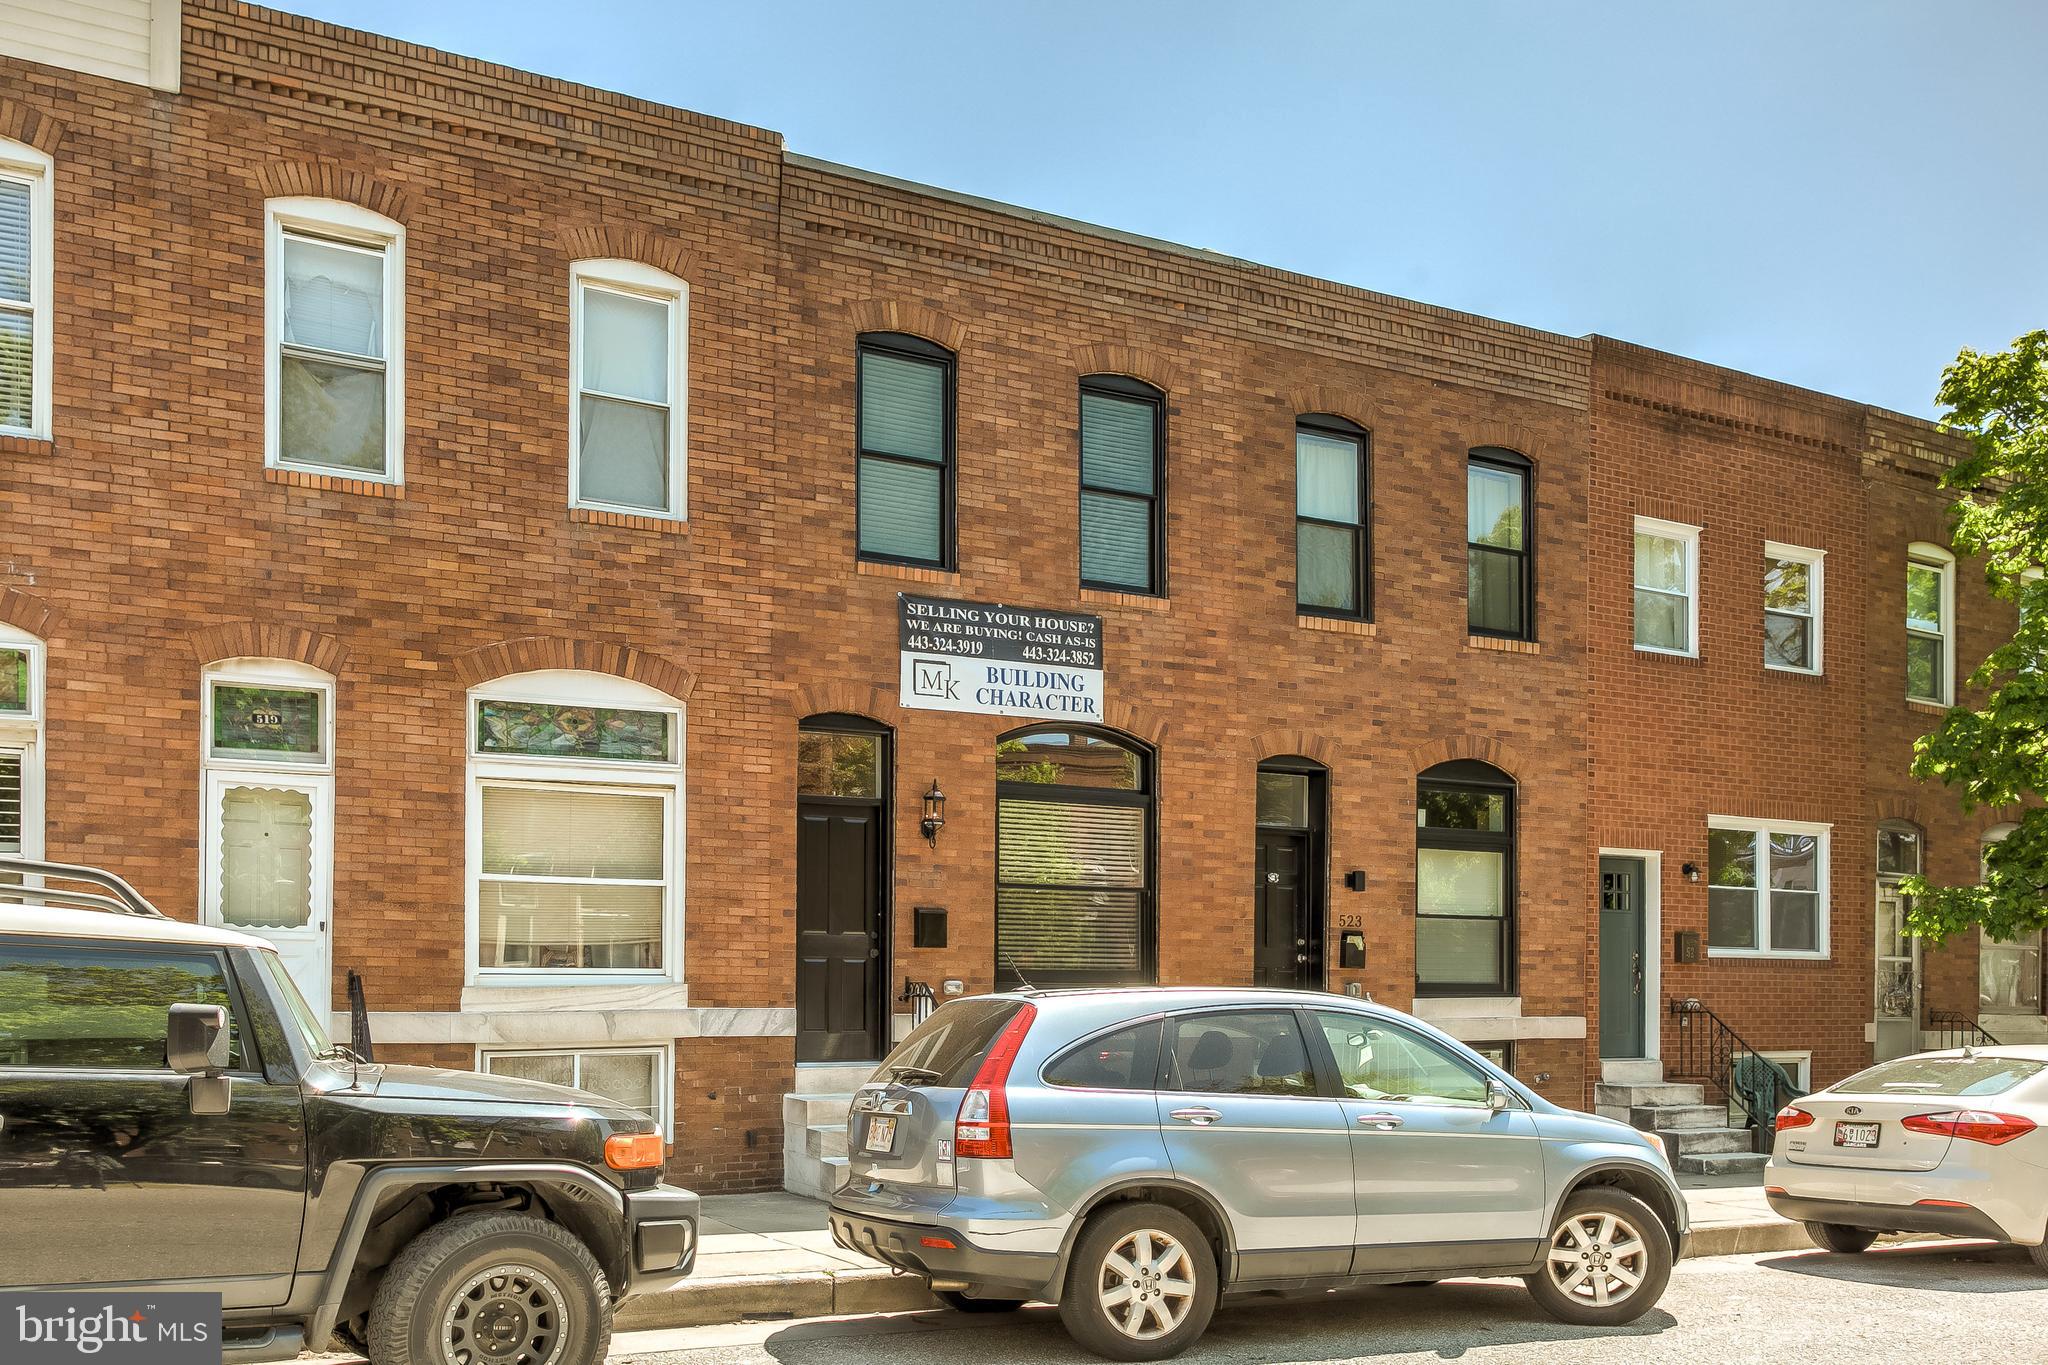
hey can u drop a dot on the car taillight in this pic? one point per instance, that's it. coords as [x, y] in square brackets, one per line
[1971, 1125]
[1793, 1118]
[982, 1128]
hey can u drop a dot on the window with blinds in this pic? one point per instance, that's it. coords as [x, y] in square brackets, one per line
[18, 301]
[571, 878]
[10, 802]
[1120, 431]
[906, 450]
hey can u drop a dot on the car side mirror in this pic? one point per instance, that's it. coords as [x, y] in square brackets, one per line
[1498, 1096]
[196, 1045]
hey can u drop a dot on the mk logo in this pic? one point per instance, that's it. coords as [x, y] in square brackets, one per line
[934, 678]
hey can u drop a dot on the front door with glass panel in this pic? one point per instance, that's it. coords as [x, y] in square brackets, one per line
[1621, 957]
[266, 870]
[1896, 999]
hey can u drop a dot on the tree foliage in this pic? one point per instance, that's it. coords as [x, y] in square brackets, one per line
[1995, 753]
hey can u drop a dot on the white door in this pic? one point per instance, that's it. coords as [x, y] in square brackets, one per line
[267, 855]
[1897, 1030]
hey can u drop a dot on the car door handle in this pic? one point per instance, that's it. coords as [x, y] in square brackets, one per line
[1199, 1115]
[1383, 1122]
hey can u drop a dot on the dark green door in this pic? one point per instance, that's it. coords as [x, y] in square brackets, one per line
[1621, 957]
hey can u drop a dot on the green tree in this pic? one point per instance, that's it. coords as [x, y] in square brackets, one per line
[1995, 753]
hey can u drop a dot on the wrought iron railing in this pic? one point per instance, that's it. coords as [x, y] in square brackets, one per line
[918, 995]
[1952, 1029]
[1717, 1056]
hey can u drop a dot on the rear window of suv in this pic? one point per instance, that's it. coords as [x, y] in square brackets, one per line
[1956, 1076]
[945, 1049]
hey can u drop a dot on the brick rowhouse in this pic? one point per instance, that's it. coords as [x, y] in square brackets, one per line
[150, 542]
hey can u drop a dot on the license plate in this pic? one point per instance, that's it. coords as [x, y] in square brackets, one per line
[881, 1133]
[1856, 1135]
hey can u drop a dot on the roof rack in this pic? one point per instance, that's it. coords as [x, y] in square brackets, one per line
[114, 895]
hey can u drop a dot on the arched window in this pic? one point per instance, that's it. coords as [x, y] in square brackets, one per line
[2008, 973]
[1123, 435]
[21, 744]
[1332, 517]
[1464, 879]
[575, 830]
[629, 326]
[1290, 875]
[267, 842]
[1500, 539]
[842, 888]
[1930, 624]
[25, 284]
[1074, 858]
[904, 430]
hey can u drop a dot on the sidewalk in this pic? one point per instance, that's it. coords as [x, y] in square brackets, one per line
[769, 1256]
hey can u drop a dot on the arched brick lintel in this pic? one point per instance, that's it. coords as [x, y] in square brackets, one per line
[1511, 436]
[901, 315]
[1292, 743]
[536, 652]
[1898, 808]
[1337, 401]
[268, 640]
[20, 123]
[1497, 752]
[846, 699]
[26, 611]
[1138, 362]
[327, 180]
[614, 241]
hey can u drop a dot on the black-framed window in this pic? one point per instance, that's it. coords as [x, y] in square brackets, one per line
[1500, 593]
[1464, 880]
[1123, 429]
[1075, 858]
[905, 433]
[1332, 517]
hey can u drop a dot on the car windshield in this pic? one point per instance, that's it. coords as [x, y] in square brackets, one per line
[309, 1025]
[1959, 1076]
[946, 1048]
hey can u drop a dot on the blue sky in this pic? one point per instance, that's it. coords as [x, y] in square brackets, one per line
[1836, 193]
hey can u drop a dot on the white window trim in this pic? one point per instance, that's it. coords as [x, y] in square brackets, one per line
[266, 673]
[19, 161]
[1689, 536]
[630, 277]
[353, 225]
[664, 1070]
[664, 779]
[1934, 557]
[25, 733]
[1823, 912]
[1816, 566]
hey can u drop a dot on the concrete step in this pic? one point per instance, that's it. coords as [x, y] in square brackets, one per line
[1618, 1112]
[1631, 1071]
[1719, 1163]
[1666, 1118]
[810, 1111]
[825, 1139]
[831, 1078]
[1637, 1096]
[812, 1176]
[1703, 1141]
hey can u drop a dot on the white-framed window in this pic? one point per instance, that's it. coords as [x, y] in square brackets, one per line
[1667, 585]
[1767, 888]
[21, 744]
[629, 333]
[267, 814]
[638, 1077]
[334, 372]
[25, 274]
[575, 831]
[2008, 972]
[1792, 607]
[1930, 624]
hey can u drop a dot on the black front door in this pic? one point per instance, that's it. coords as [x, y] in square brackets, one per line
[1281, 947]
[838, 930]
[1621, 957]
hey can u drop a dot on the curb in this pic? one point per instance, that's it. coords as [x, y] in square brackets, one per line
[1745, 1239]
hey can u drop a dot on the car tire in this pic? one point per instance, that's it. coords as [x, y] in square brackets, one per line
[1154, 1312]
[1600, 1239]
[962, 1303]
[510, 1274]
[1843, 1241]
[2039, 1256]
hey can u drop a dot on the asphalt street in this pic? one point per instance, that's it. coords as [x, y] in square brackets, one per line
[1922, 1302]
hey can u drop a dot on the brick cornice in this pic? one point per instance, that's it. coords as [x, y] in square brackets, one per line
[32, 126]
[532, 653]
[268, 640]
[331, 180]
[1497, 752]
[900, 315]
[1282, 743]
[26, 611]
[1138, 362]
[845, 698]
[616, 241]
[1337, 401]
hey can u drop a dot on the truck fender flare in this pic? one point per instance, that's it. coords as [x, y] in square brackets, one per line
[385, 1179]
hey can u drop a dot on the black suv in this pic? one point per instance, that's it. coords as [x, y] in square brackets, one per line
[173, 1116]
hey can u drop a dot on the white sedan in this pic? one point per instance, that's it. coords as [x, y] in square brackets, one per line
[1954, 1143]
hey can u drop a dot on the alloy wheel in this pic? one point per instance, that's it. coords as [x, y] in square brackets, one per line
[1147, 1284]
[507, 1315]
[1597, 1259]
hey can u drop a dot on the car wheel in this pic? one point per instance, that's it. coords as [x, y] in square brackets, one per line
[1141, 1285]
[493, 1289]
[2039, 1256]
[1607, 1260]
[962, 1303]
[1845, 1240]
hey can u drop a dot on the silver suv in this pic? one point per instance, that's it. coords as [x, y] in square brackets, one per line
[1131, 1154]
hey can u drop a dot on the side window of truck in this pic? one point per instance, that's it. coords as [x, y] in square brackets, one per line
[103, 1007]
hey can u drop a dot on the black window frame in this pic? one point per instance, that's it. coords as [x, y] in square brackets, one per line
[1509, 462]
[1124, 388]
[904, 346]
[1473, 775]
[1341, 428]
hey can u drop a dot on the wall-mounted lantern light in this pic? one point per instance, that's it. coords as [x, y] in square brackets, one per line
[1691, 871]
[934, 814]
